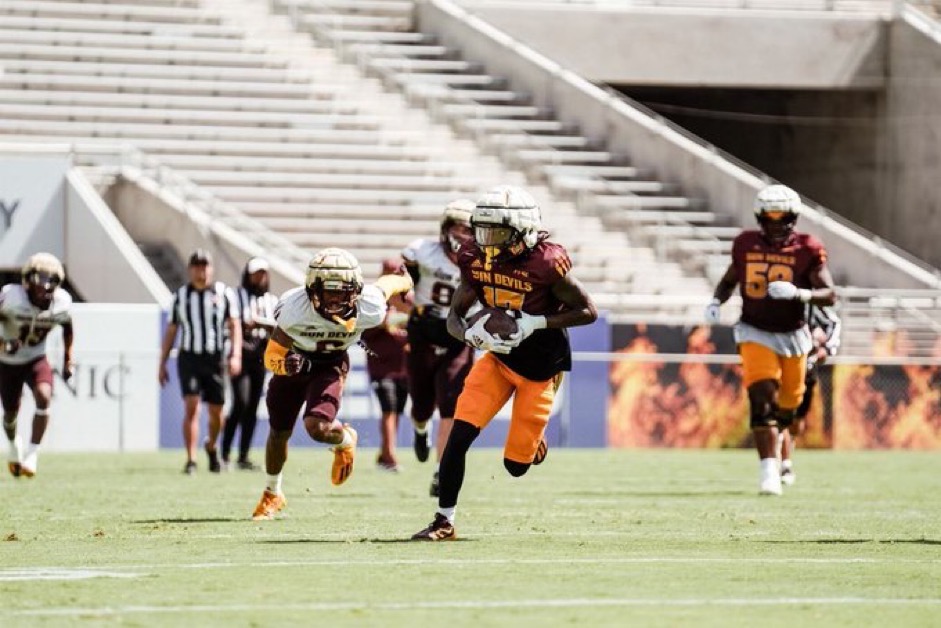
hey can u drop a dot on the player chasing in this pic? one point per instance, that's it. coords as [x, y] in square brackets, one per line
[511, 266]
[437, 362]
[307, 352]
[28, 312]
[780, 271]
[825, 327]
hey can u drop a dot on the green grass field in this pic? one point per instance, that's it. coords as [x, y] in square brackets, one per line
[612, 538]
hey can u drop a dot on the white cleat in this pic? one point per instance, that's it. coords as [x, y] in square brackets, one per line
[788, 477]
[13, 456]
[770, 485]
[30, 464]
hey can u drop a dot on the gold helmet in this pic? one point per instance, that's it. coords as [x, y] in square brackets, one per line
[41, 275]
[334, 281]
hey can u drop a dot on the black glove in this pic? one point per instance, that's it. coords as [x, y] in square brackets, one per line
[295, 364]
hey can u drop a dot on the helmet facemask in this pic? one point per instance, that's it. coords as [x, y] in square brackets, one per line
[776, 209]
[506, 223]
[41, 275]
[455, 225]
[334, 282]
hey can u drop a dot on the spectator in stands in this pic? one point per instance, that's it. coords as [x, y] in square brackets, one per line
[825, 327]
[202, 308]
[28, 312]
[438, 364]
[386, 348]
[779, 272]
[256, 307]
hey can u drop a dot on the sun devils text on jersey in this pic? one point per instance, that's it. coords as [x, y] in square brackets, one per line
[524, 283]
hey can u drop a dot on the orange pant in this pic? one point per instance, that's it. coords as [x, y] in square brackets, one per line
[759, 362]
[489, 386]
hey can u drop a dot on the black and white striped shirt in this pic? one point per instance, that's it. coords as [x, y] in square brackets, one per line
[258, 310]
[201, 315]
[825, 318]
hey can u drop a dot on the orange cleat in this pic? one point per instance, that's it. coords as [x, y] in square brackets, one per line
[541, 452]
[15, 469]
[343, 459]
[269, 505]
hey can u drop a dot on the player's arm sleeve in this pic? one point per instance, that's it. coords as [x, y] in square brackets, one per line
[276, 351]
[371, 307]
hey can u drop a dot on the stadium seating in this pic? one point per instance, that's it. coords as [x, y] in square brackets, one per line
[277, 126]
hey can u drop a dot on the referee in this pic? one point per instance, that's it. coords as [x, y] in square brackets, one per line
[204, 309]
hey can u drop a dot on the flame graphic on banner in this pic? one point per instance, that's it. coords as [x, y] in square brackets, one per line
[655, 404]
[887, 406]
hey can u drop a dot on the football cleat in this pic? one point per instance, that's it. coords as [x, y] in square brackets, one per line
[244, 464]
[788, 477]
[422, 446]
[15, 469]
[435, 490]
[541, 452]
[190, 467]
[770, 485]
[343, 459]
[439, 530]
[30, 464]
[269, 505]
[389, 467]
[13, 457]
[214, 465]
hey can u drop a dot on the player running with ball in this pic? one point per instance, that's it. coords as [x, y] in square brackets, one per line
[511, 266]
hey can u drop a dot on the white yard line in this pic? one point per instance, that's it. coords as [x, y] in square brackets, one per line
[481, 604]
[60, 573]
[605, 560]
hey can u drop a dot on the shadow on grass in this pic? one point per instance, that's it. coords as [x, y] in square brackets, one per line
[705, 493]
[859, 541]
[193, 520]
[344, 541]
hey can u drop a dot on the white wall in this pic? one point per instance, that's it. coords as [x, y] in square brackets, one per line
[32, 194]
[112, 401]
[701, 47]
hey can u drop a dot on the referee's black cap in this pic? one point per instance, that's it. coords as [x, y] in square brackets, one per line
[200, 257]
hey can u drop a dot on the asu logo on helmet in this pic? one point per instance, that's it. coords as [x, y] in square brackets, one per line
[776, 209]
[506, 222]
[41, 275]
[334, 282]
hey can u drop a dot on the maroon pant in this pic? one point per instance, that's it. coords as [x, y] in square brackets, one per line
[321, 390]
[436, 377]
[14, 376]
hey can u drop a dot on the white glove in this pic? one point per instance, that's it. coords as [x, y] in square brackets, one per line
[479, 338]
[526, 324]
[712, 312]
[787, 291]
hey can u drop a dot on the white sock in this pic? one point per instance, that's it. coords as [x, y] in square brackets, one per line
[13, 454]
[347, 439]
[769, 466]
[31, 457]
[420, 428]
[448, 513]
[786, 464]
[274, 484]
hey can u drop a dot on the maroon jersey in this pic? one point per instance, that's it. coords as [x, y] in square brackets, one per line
[757, 263]
[524, 283]
[385, 355]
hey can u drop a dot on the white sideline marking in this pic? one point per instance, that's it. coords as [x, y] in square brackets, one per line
[637, 560]
[483, 604]
[59, 573]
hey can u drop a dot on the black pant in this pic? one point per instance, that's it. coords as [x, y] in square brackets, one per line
[246, 389]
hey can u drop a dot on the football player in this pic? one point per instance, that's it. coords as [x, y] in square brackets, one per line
[437, 362]
[825, 327]
[511, 265]
[307, 353]
[28, 312]
[779, 271]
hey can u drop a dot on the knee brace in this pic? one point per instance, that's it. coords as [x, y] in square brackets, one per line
[784, 418]
[516, 469]
[762, 416]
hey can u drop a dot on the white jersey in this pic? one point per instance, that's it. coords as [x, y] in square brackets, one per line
[312, 333]
[438, 276]
[23, 321]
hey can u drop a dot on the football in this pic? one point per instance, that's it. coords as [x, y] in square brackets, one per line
[500, 324]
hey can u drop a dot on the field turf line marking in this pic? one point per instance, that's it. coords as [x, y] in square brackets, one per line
[481, 604]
